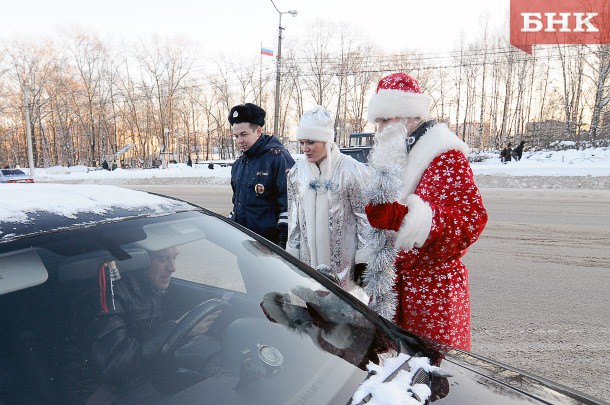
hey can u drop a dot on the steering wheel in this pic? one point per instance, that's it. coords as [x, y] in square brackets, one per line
[185, 325]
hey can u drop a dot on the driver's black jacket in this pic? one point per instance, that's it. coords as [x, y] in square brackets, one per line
[126, 340]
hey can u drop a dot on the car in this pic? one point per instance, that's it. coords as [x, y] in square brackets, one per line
[361, 154]
[14, 176]
[360, 145]
[282, 334]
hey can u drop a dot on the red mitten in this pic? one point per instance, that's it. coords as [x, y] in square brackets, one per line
[386, 215]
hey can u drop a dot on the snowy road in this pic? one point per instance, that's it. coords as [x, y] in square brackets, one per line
[540, 282]
[539, 275]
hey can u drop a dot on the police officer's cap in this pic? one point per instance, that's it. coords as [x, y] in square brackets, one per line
[247, 113]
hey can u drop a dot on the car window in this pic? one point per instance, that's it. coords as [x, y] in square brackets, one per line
[359, 153]
[219, 267]
[279, 333]
[12, 172]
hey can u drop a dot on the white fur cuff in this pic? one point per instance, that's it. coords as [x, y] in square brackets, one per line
[416, 225]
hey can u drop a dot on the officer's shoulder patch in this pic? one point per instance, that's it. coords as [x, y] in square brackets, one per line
[275, 151]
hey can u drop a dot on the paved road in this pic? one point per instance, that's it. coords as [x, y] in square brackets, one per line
[540, 285]
[539, 280]
[216, 198]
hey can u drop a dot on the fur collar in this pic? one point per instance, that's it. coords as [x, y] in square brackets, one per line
[435, 141]
[319, 179]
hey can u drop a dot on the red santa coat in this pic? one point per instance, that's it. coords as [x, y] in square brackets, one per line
[446, 215]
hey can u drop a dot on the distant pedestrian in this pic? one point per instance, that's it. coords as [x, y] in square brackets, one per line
[517, 153]
[505, 154]
[105, 165]
[189, 162]
[258, 177]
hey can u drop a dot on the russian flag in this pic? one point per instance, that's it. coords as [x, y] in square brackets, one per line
[266, 51]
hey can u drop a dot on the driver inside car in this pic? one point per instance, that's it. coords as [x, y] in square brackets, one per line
[128, 335]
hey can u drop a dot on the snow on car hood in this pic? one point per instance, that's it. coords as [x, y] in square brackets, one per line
[380, 389]
[24, 203]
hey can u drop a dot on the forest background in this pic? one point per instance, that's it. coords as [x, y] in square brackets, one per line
[165, 98]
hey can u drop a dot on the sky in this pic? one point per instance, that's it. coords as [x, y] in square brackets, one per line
[241, 26]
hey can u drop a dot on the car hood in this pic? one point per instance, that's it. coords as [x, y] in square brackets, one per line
[484, 381]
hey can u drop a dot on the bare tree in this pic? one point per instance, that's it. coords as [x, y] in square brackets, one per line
[601, 82]
[518, 120]
[89, 99]
[572, 64]
[363, 77]
[294, 83]
[319, 64]
[31, 68]
[133, 109]
[480, 129]
[458, 85]
[89, 56]
[345, 64]
[507, 75]
[223, 96]
[164, 66]
[246, 75]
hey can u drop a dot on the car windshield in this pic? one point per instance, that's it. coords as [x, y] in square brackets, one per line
[12, 172]
[280, 336]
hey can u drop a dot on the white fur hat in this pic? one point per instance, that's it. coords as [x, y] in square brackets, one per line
[398, 95]
[317, 125]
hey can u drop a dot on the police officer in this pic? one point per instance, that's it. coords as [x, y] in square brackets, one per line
[258, 177]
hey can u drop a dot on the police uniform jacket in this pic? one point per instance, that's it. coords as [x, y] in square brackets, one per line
[258, 179]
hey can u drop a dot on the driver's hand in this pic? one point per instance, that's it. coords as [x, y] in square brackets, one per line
[204, 325]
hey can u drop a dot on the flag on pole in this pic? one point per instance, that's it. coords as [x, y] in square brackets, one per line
[266, 51]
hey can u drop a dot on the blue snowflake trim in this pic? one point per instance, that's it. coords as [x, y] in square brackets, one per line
[327, 185]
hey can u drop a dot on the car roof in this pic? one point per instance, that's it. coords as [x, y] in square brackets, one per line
[32, 209]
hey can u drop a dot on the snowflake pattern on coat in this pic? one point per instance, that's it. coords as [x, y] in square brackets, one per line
[432, 282]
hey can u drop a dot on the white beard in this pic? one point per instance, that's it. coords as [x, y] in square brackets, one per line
[390, 148]
[388, 159]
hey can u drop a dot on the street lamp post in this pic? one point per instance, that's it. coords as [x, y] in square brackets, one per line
[279, 67]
